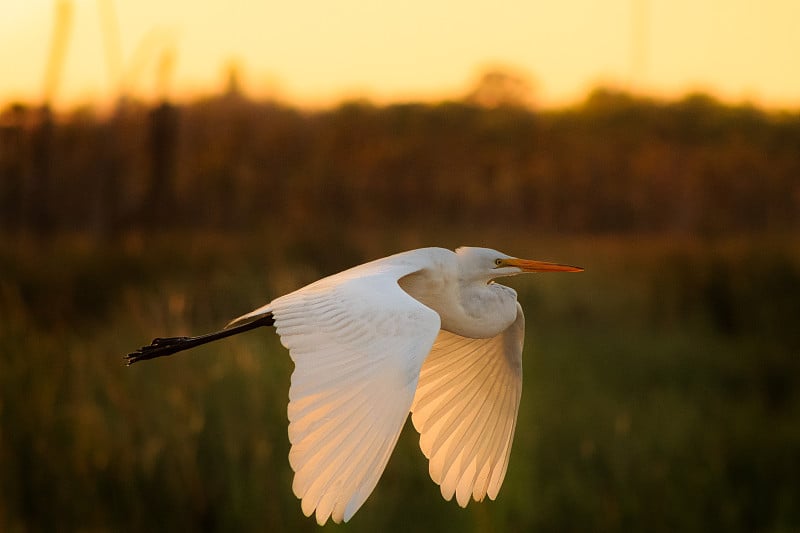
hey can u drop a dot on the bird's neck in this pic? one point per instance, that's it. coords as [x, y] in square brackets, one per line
[474, 310]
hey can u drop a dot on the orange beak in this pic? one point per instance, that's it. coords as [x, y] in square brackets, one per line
[528, 265]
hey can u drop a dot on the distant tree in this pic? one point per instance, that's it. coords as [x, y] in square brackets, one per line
[502, 87]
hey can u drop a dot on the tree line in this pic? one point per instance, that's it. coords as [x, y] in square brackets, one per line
[615, 163]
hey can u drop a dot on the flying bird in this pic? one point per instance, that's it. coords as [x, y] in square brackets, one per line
[426, 331]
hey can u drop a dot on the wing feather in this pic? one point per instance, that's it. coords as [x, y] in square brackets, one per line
[358, 342]
[460, 417]
[439, 390]
[499, 434]
[476, 431]
[465, 409]
[318, 473]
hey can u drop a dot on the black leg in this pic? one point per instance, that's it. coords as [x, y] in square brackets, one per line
[170, 345]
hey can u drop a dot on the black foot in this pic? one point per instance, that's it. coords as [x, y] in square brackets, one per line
[159, 347]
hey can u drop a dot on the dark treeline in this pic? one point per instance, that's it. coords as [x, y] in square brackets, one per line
[616, 163]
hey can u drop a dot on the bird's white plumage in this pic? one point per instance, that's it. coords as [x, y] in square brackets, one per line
[367, 344]
[358, 342]
[465, 409]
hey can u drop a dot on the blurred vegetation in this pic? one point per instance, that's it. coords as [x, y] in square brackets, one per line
[661, 385]
[615, 164]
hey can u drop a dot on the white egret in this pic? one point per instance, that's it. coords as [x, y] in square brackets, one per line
[425, 331]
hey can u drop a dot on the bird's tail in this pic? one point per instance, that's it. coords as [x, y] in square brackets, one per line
[252, 316]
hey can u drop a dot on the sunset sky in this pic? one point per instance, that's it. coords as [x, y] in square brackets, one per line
[317, 53]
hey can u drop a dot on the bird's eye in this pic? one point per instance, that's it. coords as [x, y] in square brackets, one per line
[498, 261]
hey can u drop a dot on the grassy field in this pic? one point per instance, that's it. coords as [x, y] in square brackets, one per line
[661, 388]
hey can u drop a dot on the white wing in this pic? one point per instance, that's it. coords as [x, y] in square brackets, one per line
[466, 408]
[358, 342]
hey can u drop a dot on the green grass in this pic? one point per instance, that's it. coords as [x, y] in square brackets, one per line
[660, 390]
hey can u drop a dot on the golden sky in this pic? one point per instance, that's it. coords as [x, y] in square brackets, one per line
[316, 53]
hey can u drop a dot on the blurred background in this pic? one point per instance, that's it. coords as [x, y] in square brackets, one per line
[166, 167]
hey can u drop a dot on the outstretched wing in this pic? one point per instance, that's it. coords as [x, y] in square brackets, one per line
[358, 342]
[465, 409]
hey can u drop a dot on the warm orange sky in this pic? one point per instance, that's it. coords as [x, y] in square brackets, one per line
[315, 52]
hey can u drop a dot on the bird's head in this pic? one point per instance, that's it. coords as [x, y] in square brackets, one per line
[487, 264]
